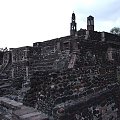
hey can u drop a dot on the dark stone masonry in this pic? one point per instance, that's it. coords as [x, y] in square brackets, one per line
[75, 77]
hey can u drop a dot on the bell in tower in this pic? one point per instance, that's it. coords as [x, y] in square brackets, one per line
[73, 25]
[90, 23]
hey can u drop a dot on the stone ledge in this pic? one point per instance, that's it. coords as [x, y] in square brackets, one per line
[17, 111]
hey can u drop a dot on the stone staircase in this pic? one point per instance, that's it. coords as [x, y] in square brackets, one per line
[12, 110]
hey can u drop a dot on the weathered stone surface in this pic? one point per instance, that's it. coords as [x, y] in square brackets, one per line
[12, 110]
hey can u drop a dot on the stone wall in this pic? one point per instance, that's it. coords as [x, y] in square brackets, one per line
[102, 105]
[20, 61]
[51, 88]
[51, 55]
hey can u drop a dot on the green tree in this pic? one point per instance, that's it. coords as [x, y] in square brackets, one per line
[115, 30]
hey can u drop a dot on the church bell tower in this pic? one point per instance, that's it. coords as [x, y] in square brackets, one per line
[73, 28]
[90, 23]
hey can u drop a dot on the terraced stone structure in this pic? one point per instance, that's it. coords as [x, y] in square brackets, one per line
[74, 77]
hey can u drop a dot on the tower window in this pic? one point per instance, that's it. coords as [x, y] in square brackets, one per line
[88, 22]
[92, 22]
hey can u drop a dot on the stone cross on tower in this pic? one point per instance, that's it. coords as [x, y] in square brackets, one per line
[73, 25]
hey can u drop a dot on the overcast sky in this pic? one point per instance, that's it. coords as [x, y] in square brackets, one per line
[23, 22]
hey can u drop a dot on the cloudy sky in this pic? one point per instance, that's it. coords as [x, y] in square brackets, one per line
[23, 22]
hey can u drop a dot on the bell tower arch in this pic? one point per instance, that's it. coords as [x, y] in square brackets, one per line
[73, 28]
